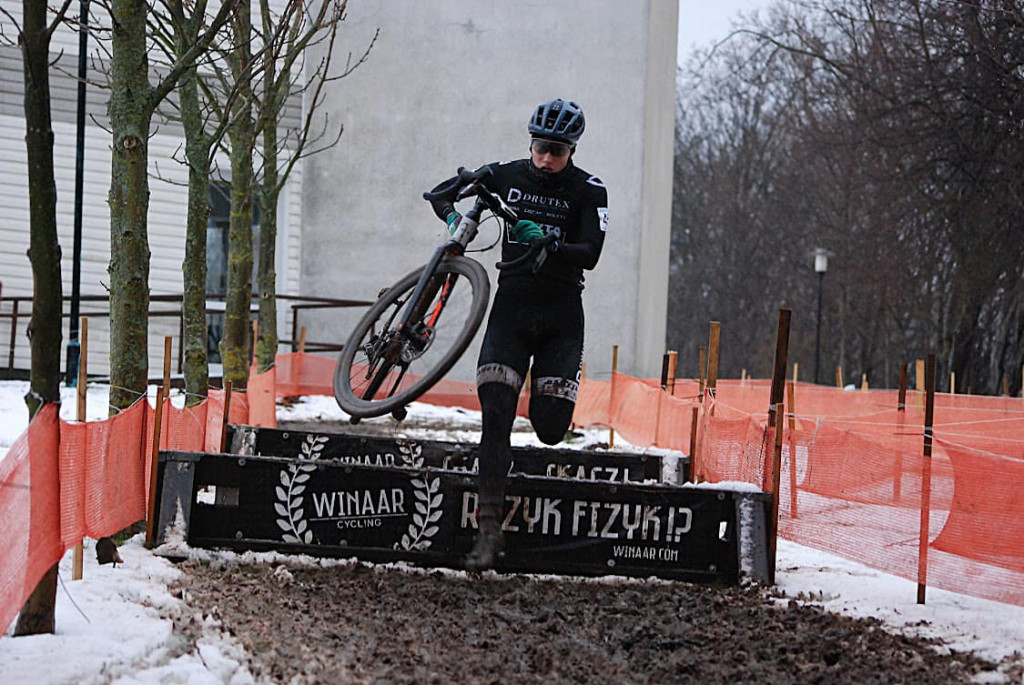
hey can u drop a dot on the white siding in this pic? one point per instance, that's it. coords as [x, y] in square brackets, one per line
[166, 217]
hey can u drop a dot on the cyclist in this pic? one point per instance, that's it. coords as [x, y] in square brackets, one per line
[536, 313]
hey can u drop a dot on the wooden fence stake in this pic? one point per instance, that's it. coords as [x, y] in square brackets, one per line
[695, 416]
[952, 382]
[919, 384]
[302, 340]
[775, 415]
[167, 365]
[154, 465]
[863, 381]
[1006, 386]
[224, 419]
[901, 417]
[839, 377]
[615, 369]
[926, 481]
[78, 556]
[83, 367]
[673, 361]
[773, 534]
[791, 401]
[713, 340]
[902, 406]
[781, 363]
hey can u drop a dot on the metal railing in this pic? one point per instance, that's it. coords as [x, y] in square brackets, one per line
[20, 308]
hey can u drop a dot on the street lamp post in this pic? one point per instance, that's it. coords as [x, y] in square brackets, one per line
[74, 346]
[820, 267]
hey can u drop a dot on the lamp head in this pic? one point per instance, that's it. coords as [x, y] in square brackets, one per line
[820, 260]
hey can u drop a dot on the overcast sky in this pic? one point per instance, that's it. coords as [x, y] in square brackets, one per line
[705, 21]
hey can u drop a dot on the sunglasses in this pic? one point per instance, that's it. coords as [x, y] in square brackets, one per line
[549, 147]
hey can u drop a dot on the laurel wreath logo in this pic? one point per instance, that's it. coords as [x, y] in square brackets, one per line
[289, 492]
[411, 453]
[428, 512]
[290, 499]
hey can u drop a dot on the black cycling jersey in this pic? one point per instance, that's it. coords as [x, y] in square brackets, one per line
[572, 204]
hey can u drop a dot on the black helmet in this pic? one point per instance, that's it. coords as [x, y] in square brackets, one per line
[558, 120]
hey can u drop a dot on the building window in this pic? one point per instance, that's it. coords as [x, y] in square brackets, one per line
[217, 262]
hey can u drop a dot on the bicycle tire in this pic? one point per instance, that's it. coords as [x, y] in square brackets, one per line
[468, 274]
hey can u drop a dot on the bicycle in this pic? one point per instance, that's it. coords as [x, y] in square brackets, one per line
[428, 317]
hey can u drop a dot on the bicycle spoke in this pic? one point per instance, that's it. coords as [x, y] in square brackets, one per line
[385, 367]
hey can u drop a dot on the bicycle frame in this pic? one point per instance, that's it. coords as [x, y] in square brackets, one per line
[456, 245]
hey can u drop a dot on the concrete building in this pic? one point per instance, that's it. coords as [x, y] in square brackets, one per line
[447, 83]
[452, 83]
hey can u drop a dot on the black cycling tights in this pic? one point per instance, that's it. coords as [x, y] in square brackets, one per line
[522, 324]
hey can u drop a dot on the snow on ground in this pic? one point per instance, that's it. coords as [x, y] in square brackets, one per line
[115, 625]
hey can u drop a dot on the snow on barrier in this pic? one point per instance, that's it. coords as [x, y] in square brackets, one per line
[457, 456]
[386, 499]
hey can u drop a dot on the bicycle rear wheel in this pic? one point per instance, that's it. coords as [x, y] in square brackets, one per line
[383, 367]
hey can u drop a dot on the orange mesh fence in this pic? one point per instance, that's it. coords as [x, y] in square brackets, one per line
[985, 521]
[61, 481]
[302, 373]
[29, 512]
[262, 397]
[238, 414]
[592, 403]
[106, 461]
[854, 480]
[853, 477]
[646, 415]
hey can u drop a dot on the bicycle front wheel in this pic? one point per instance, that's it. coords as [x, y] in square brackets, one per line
[384, 366]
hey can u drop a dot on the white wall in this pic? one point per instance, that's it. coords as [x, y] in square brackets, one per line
[452, 83]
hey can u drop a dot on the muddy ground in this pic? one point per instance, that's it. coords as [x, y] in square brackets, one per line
[356, 623]
[362, 624]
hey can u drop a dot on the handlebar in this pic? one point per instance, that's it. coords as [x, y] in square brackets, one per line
[464, 177]
[471, 182]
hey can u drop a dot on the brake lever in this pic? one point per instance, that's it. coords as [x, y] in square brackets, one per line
[466, 191]
[541, 258]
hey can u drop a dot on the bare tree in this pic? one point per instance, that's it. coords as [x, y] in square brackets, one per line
[283, 76]
[133, 101]
[206, 99]
[37, 616]
[901, 134]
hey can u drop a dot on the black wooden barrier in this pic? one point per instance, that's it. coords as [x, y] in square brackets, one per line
[325, 507]
[456, 456]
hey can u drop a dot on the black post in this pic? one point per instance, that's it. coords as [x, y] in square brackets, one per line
[74, 347]
[817, 335]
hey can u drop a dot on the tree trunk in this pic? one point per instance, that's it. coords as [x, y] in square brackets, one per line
[266, 347]
[197, 152]
[130, 113]
[37, 616]
[234, 347]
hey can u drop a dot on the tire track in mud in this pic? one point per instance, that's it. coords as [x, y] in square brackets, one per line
[356, 623]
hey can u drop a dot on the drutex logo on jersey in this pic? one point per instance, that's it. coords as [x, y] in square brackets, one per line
[549, 213]
[515, 196]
